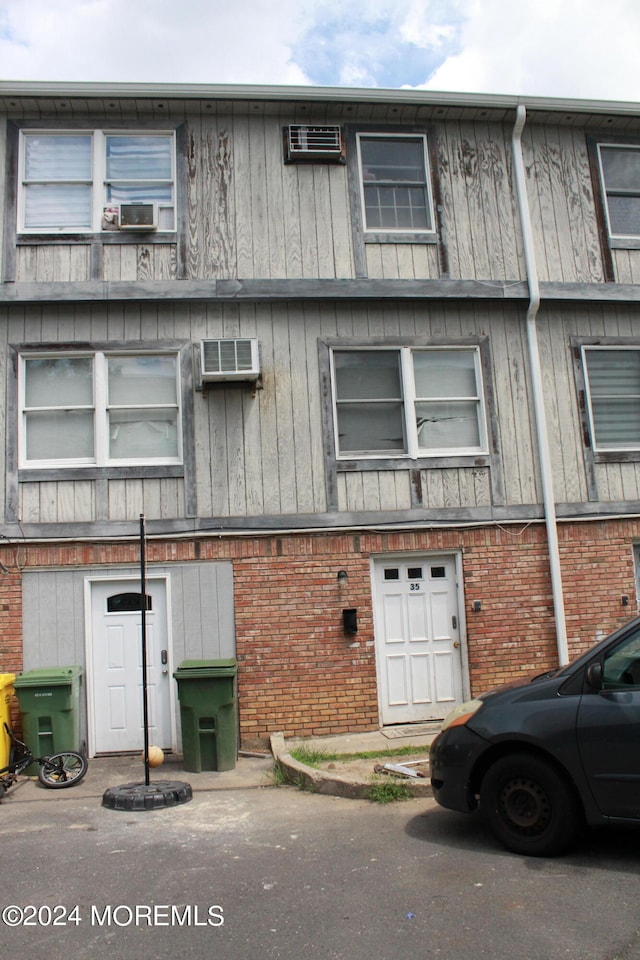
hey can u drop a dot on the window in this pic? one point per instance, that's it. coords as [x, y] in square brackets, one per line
[620, 169]
[408, 402]
[99, 409]
[621, 667]
[394, 180]
[612, 378]
[76, 181]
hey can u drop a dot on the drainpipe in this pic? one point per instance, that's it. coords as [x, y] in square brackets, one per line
[537, 386]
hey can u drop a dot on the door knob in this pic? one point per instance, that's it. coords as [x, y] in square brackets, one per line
[456, 644]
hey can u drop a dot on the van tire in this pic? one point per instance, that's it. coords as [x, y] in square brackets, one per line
[529, 806]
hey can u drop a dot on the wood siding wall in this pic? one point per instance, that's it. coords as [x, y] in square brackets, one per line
[247, 214]
[261, 453]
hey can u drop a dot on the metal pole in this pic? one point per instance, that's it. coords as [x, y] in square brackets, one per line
[143, 621]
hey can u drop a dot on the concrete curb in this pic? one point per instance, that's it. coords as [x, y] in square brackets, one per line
[328, 783]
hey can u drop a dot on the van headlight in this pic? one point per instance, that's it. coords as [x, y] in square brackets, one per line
[461, 714]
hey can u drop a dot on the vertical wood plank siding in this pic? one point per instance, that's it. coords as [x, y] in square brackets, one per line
[250, 215]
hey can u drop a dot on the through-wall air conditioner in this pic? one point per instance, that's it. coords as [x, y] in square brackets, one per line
[138, 216]
[223, 360]
[319, 143]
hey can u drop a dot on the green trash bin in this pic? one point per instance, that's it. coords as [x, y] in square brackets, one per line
[49, 699]
[207, 694]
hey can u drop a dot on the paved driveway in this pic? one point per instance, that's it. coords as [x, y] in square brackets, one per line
[267, 872]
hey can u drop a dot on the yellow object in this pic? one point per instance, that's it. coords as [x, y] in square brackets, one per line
[6, 696]
[156, 756]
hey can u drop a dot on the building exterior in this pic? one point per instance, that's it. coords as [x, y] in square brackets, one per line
[368, 363]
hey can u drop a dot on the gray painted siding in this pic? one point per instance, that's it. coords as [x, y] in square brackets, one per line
[54, 616]
[250, 215]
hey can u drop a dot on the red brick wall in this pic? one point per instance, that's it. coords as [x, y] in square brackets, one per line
[300, 674]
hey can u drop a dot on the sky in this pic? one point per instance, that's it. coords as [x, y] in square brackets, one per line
[585, 49]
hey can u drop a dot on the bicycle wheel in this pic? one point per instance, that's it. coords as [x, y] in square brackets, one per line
[62, 770]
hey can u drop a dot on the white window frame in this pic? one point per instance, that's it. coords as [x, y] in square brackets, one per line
[100, 408]
[374, 135]
[622, 448]
[606, 191]
[408, 401]
[98, 181]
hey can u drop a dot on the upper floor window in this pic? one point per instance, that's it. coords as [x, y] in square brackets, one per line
[394, 183]
[620, 169]
[99, 409]
[612, 378]
[425, 401]
[77, 181]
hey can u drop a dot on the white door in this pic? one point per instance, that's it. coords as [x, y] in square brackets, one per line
[417, 638]
[116, 666]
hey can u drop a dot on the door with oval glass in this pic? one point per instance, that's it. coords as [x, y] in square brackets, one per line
[417, 633]
[116, 666]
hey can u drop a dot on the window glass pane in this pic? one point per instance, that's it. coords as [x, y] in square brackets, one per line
[127, 602]
[367, 374]
[59, 435]
[447, 424]
[61, 157]
[139, 193]
[367, 427]
[57, 205]
[445, 373]
[613, 372]
[391, 208]
[142, 380]
[621, 168]
[142, 434]
[624, 216]
[384, 158]
[616, 423]
[59, 381]
[621, 668]
[138, 158]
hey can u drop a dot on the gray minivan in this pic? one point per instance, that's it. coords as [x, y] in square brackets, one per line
[541, 758]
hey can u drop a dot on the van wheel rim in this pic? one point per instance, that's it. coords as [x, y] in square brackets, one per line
[525, 805]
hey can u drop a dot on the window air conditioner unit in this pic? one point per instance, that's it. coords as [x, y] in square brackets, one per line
[138, 216]
[305, 142]
[223, 360]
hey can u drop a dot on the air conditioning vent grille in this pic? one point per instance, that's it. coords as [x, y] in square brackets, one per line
[229, 359]
[305, 142]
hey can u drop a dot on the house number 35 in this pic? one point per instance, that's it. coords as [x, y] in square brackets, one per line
[415, 586]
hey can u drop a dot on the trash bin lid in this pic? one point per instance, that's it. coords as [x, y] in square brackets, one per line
[6, 680]
[47, 677]
[206, 668]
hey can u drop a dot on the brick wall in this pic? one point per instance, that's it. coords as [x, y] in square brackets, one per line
[300, 674]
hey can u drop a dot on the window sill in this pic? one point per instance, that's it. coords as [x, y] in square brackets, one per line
[624, 243]
[133, 472]
[116, 237]
[421, 463]
[392, 237]
[616, 456]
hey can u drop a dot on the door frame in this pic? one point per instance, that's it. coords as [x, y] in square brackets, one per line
[429, 556]
[88, 632]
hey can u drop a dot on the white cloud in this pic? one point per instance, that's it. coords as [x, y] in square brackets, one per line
[179, 41]
[561, 48]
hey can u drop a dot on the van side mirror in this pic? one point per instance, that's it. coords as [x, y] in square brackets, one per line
[594, 676]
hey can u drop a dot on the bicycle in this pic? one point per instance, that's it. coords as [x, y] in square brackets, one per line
[55, 772]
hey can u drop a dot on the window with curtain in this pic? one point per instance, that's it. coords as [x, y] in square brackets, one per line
[612, 378]
[620, 170]
[394, 180]
[75, 182]
[408, 401]
[99, 409]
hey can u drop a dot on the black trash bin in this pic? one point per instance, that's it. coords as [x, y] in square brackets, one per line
[207, 694]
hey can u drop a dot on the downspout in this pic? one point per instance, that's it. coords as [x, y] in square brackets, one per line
[537, 387]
